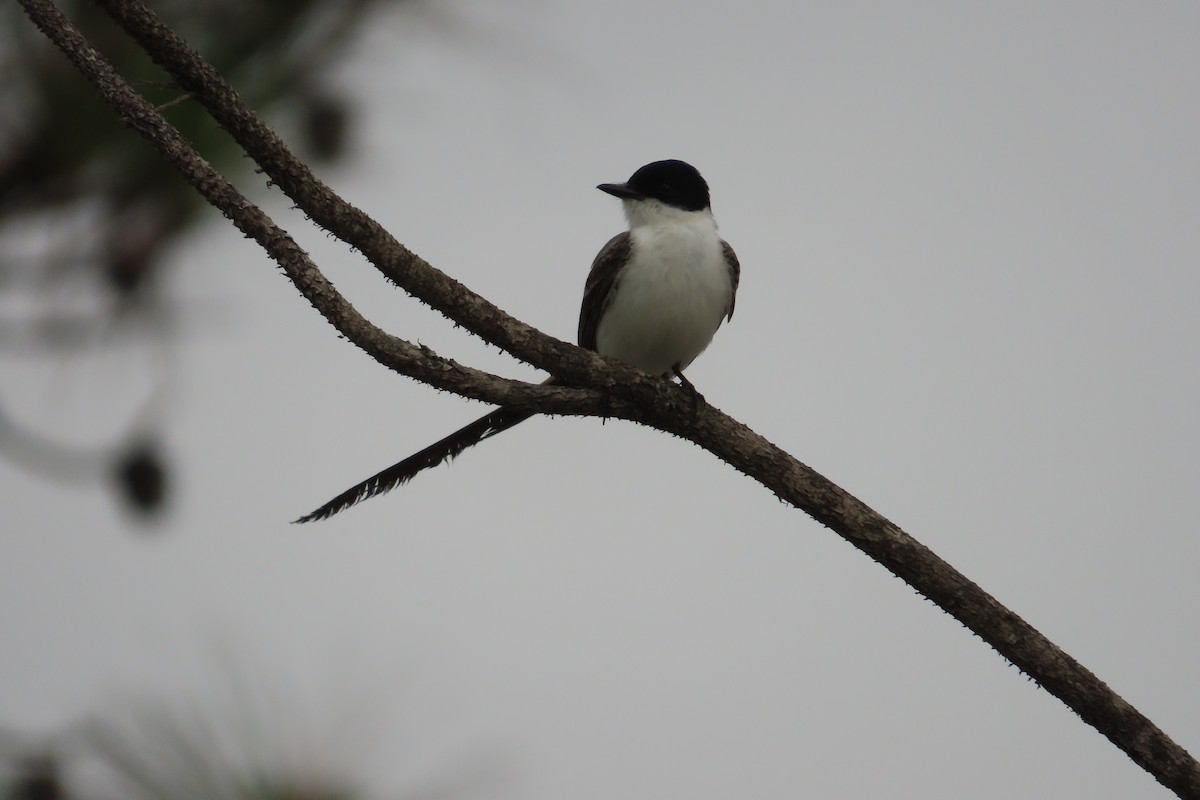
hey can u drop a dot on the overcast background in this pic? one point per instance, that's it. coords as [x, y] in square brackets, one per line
[969, 237]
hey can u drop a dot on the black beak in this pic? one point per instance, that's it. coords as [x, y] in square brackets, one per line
[621, 190]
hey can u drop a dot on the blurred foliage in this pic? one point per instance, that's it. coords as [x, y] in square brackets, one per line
[89, 213]
[149, 751]
[236, 738]
[35, 778]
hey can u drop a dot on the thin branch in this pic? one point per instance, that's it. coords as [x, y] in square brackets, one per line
[651, 401]
[183, 98]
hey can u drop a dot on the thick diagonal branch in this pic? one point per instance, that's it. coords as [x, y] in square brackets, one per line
[653, 402]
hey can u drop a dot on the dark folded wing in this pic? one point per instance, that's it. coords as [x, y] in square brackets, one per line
[598, 291]
[735, 274]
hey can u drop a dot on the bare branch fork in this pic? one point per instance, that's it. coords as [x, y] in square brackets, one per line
[632, 395]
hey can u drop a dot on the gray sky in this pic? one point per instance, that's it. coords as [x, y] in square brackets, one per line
[969, 238]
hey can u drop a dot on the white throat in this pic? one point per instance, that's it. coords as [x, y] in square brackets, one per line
[642, 213]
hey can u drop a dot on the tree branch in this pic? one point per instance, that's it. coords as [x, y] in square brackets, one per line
[334, 214]
[639, 397]
[415, 361]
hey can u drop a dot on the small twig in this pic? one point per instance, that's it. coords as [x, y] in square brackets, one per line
[172, 103]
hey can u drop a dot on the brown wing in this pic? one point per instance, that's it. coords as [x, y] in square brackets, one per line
[597, 292]
[735, 275]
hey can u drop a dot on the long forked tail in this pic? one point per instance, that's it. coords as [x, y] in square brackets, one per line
[487, 426]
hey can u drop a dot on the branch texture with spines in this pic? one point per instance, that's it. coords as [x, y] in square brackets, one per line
[634, 396]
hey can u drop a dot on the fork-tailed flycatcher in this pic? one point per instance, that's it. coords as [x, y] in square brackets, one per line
[655, 296]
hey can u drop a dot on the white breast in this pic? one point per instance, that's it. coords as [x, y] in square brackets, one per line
[672, 296]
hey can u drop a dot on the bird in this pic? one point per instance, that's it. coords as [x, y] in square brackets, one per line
[654, 298]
